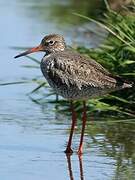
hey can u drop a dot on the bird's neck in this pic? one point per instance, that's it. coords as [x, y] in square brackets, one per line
[54, 51]
[48, 53]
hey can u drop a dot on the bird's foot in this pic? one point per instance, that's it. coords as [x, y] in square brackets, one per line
[80, 151]
[68, 151]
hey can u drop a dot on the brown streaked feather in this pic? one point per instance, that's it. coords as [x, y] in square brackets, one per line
[74, 76]
[75, 69]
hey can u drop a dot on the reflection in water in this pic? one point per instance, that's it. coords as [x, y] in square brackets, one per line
[32, 130]
[116, 140]
[110, 139]
[81, 168]
[78, 31]
[70, 170]
[70, 167]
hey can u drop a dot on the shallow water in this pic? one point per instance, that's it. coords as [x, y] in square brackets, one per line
[33, 137]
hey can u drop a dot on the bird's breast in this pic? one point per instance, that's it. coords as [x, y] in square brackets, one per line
[47, 66]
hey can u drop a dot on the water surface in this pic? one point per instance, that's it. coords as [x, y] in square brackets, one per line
[33, 137]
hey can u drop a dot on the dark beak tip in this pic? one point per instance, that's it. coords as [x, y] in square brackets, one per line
[16, 57]
[22, 54]
[32, 50]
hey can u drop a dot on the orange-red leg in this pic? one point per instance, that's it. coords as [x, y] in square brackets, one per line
[69, 149]
[84, 118]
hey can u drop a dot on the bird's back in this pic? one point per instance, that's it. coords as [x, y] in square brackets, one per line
[76, 77]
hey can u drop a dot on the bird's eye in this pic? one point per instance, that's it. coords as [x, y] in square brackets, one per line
[51, 42]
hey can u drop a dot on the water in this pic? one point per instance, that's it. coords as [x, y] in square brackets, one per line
[32, 136]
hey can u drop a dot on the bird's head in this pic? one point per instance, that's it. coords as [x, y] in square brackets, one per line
[49, 44]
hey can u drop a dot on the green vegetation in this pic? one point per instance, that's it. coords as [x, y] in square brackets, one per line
[117, 54]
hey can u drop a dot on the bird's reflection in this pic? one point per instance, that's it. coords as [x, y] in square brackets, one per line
[70, 170]
[69, 163]
[81, 168]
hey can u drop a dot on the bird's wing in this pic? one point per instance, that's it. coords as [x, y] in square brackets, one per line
[76, 69]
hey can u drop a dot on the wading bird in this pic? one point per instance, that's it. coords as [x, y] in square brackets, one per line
[74, 77]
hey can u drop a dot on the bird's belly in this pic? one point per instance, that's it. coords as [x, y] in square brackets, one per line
[74, 93]
[71, 91]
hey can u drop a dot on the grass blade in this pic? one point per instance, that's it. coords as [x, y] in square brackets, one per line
[105, 27]
[38, 87]
[33, 59]
[12, 83]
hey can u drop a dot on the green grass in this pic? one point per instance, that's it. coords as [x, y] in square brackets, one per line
[117, 54]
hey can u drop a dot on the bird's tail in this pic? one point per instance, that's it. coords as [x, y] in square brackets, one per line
[127, 85]
[123, 83]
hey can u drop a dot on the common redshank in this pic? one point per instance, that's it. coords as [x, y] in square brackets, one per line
[74, 77]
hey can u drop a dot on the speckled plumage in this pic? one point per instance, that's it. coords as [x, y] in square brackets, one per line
[74, 76]
[71, 74]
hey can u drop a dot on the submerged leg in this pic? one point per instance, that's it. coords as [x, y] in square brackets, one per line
[68, 149]
[84, 118]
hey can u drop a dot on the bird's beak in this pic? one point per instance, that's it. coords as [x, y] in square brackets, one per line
[32, 50]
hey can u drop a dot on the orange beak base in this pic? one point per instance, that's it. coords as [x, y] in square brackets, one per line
[32, 50]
